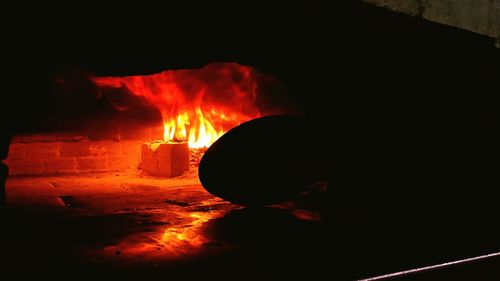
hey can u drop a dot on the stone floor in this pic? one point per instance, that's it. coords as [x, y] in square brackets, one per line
[131, 227]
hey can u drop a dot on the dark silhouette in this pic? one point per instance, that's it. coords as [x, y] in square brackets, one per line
[262, 161]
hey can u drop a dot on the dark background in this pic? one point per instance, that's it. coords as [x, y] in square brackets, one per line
[407, 111]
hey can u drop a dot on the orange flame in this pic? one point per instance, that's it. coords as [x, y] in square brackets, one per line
[197, 106]
[200, 129]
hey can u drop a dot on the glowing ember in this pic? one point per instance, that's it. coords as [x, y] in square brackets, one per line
[197, 106]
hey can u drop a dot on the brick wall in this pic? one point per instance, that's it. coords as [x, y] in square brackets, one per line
[49, 154]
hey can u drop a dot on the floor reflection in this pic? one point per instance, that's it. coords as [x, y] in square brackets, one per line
[186, 236]
[183, 235]
[187, 232]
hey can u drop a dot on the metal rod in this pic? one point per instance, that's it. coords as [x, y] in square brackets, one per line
[427, 268]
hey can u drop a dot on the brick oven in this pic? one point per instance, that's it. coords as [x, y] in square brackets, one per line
[106, 113]
[148, 124]
[60, 154]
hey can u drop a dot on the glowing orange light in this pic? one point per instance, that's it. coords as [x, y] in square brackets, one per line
[197, 106]
[180, 237]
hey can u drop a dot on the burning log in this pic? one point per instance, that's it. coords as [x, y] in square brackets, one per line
[165, 159]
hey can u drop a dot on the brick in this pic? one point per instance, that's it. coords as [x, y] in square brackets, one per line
[106, 148]
[24, 167]
[59, 166]
[119, 155]
[180, 159]
[72, 157]
[164, 159]
[75, 149]
[17, 151]
[134, 159]
[132, 147]
[116, 163]
[91, 164]
[49, 137]
[42, 150]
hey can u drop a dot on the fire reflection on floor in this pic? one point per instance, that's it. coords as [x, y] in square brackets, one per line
[130, 217]
[133, 224]
[181, 238]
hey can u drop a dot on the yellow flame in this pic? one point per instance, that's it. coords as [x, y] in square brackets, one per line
[202, 131]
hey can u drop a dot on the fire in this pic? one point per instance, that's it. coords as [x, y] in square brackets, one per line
[197, 106]
[199, 128]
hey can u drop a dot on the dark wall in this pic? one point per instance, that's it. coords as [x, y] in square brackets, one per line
[410, 106]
